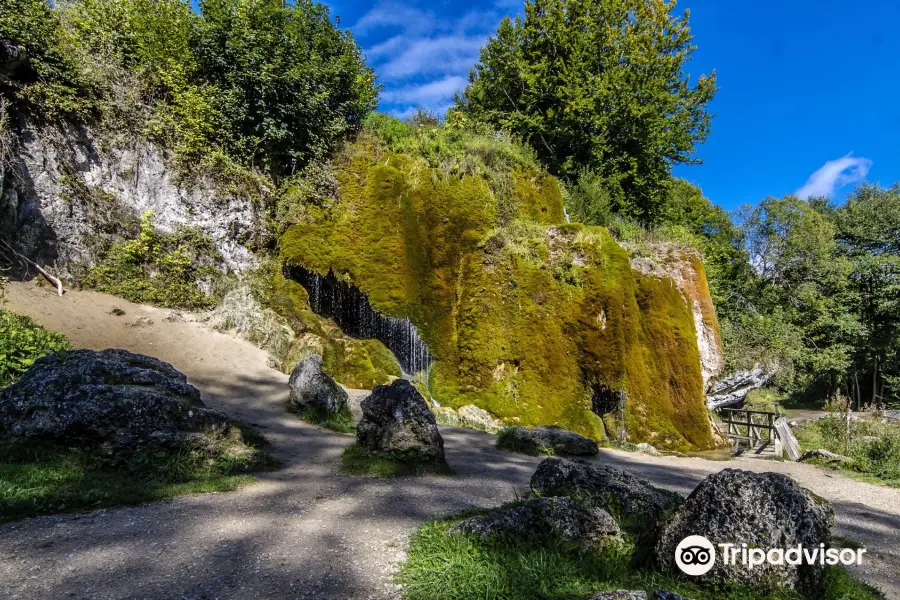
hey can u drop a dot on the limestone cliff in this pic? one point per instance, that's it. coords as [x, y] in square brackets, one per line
[530, 318]
[71, 189]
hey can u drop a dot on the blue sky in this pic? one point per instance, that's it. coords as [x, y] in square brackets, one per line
[809, 98]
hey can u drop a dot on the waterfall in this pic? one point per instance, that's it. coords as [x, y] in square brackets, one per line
[350, 309]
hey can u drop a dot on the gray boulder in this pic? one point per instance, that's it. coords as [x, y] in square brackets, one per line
[637, 595]
[562, 518]
[396, 419]
[762, 510]
[564, 442]
[312, 388]
[734, 388]
[111, 399]
[603, 486]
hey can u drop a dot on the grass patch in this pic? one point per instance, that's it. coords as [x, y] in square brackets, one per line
[873, 446]
[507, 440]
[357, 461]
[443, 567]
[37, 479]
[341, 421]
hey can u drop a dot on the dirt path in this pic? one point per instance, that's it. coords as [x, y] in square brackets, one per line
[306, 531]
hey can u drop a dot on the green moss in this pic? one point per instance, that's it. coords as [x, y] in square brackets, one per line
[523, 314]
[360, 364]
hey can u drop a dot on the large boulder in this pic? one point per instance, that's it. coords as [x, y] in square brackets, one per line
[606, 487]
[562, 518]
[533, 440]
[313, 389]
[396, 420]
[762, 510]
[112, 399]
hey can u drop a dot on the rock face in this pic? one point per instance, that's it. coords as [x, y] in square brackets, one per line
[734, 388]
[563, 441]
[561, 517]
[396, 419]
[762, 510]
[312, 388]
[604, 486]
[113, 398]
[69, 185]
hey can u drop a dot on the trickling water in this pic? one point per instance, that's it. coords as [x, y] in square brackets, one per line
[350, 309]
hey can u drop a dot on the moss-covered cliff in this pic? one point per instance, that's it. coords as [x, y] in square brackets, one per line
[526, 316]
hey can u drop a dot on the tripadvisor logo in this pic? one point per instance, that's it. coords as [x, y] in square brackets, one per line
[695, 555]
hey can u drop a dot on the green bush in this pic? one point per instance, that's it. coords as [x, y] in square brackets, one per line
[22, 341]
[165, 269]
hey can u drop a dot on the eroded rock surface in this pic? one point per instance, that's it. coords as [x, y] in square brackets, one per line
[312, 388]
[564, 442]
[110, 398]
[561, 517]
[605, 487]
[396, 419]
[762, 510]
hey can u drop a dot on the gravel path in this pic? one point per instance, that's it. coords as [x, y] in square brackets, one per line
[306, 531]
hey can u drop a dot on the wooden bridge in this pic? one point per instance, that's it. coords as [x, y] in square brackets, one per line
[760, 432]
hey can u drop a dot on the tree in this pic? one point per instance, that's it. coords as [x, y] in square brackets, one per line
[292, 85]
[597, 85]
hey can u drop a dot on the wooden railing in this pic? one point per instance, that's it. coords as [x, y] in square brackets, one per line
[755, 428]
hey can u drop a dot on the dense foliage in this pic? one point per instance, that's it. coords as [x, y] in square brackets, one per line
[270, 84]
[22, 341]
[596, 85]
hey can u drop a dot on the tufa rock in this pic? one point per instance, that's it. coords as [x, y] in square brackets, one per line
[562, 518]
[113, 399]
[563, 441]
[312, 388]
[478, 418]
[396, 419]
[734, 388]
[605, 487]
[762, 510]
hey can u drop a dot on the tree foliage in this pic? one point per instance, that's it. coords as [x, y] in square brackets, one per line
[597, 85]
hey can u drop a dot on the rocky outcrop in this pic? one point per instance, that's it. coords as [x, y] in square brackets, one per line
[313, 389]
[637, 595]
[605, 487]
[734, 388]
[563, 518]
[761, 510]
[112, 399]
[478, 418]
[396, 420]
[73, 187]
[533, 440]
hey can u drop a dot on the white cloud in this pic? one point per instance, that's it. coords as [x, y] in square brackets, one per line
[834, 175]
[426, 94]
[424, 59]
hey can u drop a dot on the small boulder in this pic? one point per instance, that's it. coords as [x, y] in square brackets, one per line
[562, 518]
[762, 510]
[478, 418]
[396, 419]
[533, 440]
[313, 389]
[605, 487]
[621, 595]
[112, 399]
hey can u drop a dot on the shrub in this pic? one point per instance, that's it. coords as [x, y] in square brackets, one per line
[165, 269]
[22, 341]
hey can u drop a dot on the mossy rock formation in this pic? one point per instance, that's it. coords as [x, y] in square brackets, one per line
[526, 316]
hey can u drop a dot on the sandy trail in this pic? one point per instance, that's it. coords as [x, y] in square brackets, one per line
[306, 531]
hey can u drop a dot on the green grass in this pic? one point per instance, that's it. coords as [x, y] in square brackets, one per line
[38, 479]
[357, 461]
[444, 567]
[341, 421]
[506, 440]
[873, 446]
